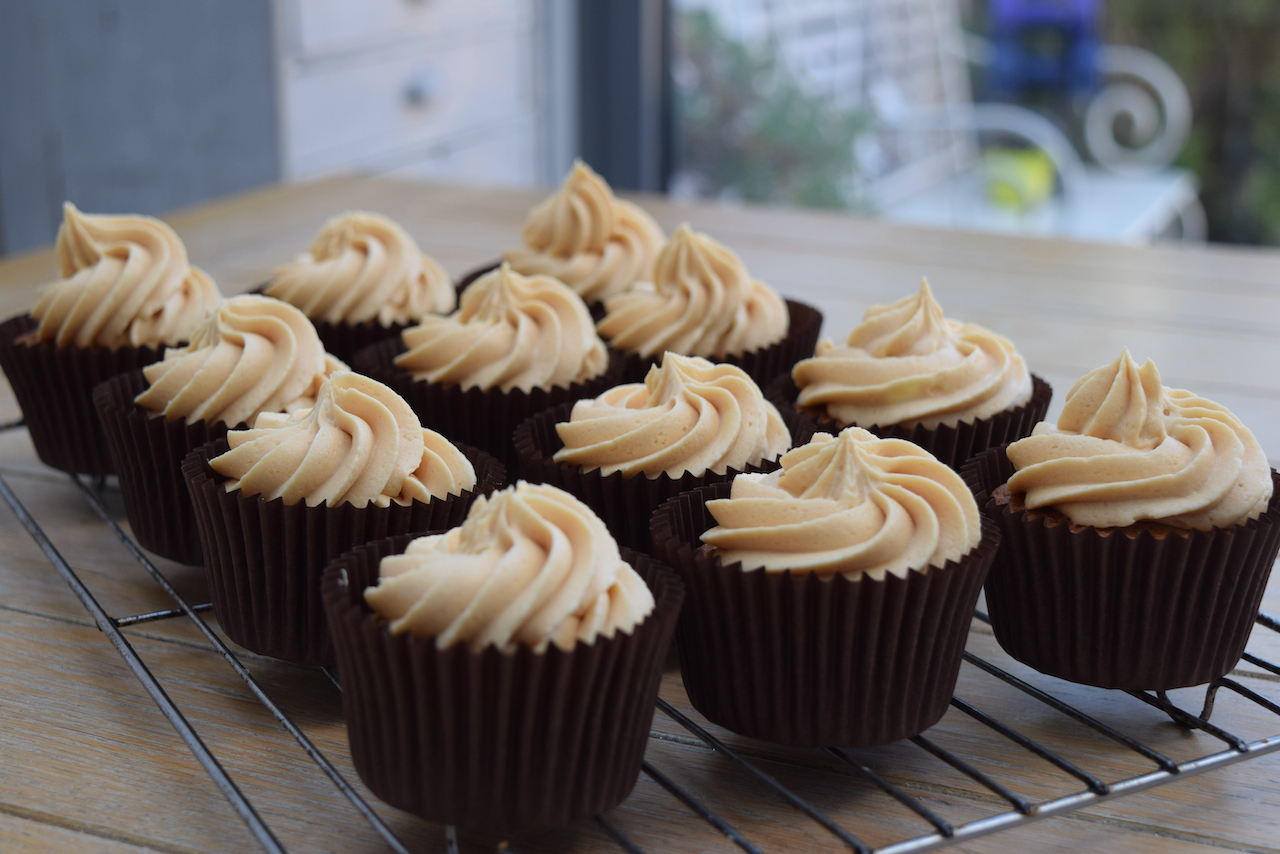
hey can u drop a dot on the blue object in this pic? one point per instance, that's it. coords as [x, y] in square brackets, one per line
[1046, 45]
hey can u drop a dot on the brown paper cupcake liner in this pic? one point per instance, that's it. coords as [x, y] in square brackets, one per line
[761, 365]
[1104, 608]
[624, 503]
[54, 387]
[484, 419]
[265, 558]
[596, 308]
[508, 741]
[951, 445]
[806, 661]
[147, 451]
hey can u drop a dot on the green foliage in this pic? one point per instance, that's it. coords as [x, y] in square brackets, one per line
[745, 128]
[1224, 50]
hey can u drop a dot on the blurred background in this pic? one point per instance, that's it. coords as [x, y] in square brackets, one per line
[1117, 120]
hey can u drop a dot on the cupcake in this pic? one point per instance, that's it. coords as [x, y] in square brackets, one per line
[908, 372]
[829, 601]
[298, 490]
[515, 347]
[364, 280]
[126, 291]
[502, 675]
[594, 243]
[1139, 533]
[252, 355]
[701, 301]
[690, 423]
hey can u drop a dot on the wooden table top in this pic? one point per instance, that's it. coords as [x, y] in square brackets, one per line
[87, 762]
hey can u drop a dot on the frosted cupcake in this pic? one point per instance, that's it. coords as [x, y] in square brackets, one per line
[517, 345]
[274, 504]
[252, 355]
[688, 424]
[701, 301]
[828, 601]
[363, 280]
[909, 372]
[126, 291]
[1141, 529]
[528, 628]
[582, 235]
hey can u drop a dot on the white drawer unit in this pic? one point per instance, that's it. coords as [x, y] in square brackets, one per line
[494, 157]
[450, 89]
[325, 27]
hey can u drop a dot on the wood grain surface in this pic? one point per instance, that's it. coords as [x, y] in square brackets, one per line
[87, 762]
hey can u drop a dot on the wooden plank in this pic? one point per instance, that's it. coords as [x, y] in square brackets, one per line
[52, 834]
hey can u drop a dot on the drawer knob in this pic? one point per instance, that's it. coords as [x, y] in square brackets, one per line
[421, 89]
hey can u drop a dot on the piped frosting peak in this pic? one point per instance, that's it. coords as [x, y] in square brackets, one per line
[852, 504]
[701, 302]
[1128, 449]
[582, 235]
[907, 364]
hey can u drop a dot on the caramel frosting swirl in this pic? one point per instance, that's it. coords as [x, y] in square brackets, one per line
[594, 243]
[363, 267]
[852, 504]
[510, 332]
[701, 302]
[530, 565]
[125, 283]
[907, 364]
[360, 443]
[252, 354]
[1127, 449]
[688, 415]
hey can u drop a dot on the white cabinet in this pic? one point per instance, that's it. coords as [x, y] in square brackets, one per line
[450, 89]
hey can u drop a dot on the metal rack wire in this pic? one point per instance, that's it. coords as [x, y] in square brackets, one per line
[937, 831]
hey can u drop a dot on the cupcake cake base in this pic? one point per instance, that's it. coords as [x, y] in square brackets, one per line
[54, 387]
[1144, 608]
[808, 661]
[265, 558]
[147, 451]
[507, 741]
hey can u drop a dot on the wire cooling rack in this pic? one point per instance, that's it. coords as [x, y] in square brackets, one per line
[935, 831]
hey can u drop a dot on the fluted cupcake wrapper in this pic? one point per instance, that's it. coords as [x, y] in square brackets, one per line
[761, 365]
[147, 451]
[54, 387]
[1103, 608]
[807, 661]
[624, 503]
[951, 445]
[264, 558]
[484, 419]
[506, 741]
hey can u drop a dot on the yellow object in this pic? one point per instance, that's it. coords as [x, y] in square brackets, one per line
[1018, 178]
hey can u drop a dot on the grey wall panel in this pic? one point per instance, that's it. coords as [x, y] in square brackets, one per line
[624, 91]
[130, 106]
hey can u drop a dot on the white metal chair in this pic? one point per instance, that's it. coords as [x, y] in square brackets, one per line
[1127, 194]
